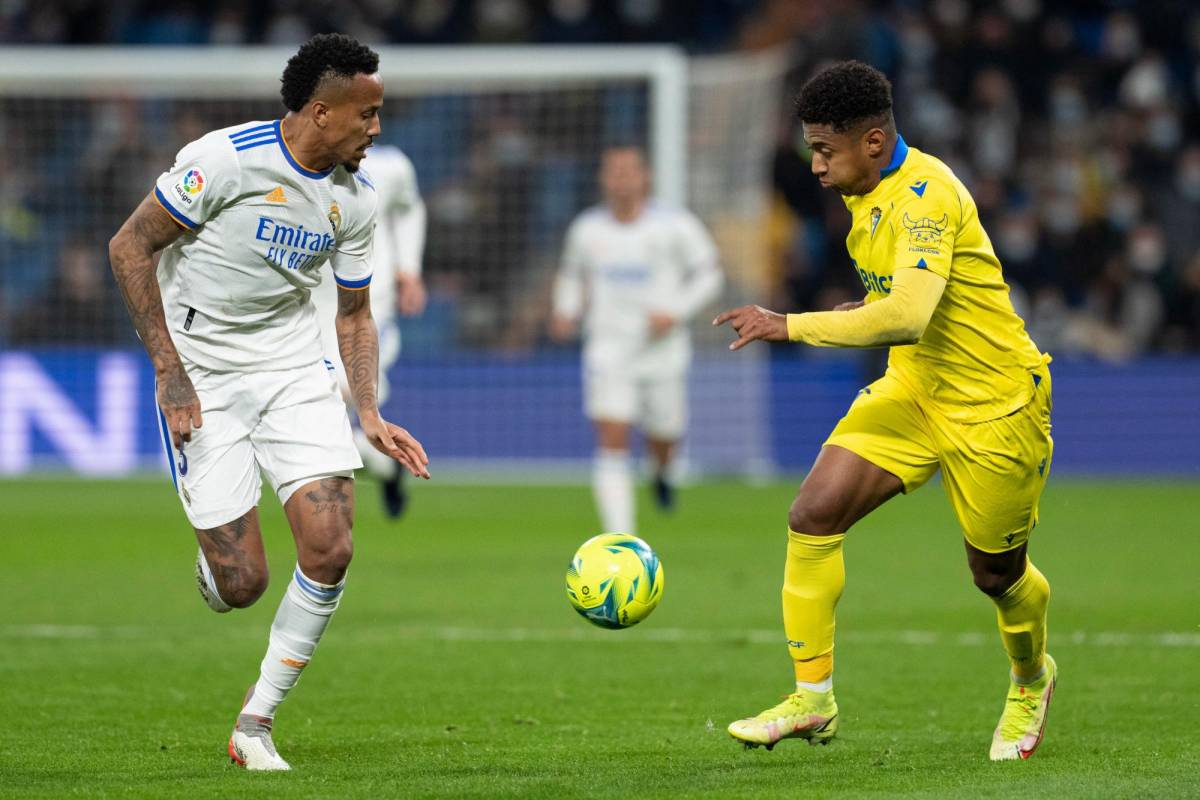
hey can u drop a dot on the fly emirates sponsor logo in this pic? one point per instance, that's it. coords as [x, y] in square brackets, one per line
[294, 248]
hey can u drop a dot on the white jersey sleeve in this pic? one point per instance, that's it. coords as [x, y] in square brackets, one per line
[401, 217]
[698, 255]
[204, 178]
[351, 260]
[406, 219]
[569, 284]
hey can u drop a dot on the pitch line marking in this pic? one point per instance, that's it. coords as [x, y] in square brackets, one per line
[909, 638]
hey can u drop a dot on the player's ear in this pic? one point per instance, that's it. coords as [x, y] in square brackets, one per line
[875, 140]
[320, 113]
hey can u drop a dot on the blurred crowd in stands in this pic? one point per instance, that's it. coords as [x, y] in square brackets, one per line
[1076, 126]
[702, 25]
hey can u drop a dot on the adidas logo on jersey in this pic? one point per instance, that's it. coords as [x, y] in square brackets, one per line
[276, 195]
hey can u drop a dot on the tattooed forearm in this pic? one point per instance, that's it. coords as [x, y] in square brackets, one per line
[358, 344]
[131, 252]
[331, 496]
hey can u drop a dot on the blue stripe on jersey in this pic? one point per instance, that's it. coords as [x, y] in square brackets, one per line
[364, 180]
[348, 284]
[267, 134]
[296, 165]
[246, 132]
[170, 209]
[254, 137]
[256, 143]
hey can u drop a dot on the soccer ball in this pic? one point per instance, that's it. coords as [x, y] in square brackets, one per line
[615, 580]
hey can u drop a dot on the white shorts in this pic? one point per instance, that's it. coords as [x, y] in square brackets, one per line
[290, 424]
[656, 405]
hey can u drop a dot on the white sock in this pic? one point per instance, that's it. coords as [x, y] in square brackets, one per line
[612, 485]
[376, 463]
[819, 686]
[303, 614]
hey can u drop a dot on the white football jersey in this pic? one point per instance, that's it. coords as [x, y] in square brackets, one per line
[259, 226]
[664, 260]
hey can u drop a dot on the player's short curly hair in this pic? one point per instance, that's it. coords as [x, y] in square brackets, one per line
[844, 95]
[324, 56]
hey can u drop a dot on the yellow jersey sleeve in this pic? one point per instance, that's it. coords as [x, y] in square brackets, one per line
[899, 318]
[926, 223]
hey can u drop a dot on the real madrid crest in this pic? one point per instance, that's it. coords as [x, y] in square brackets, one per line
[876, 214]
[335, 217]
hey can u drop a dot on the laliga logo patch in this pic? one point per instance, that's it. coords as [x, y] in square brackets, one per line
[190, 186]
[925, 233]
[335, 217]
[193, 182]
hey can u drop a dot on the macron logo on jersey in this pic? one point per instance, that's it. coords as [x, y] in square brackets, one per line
[919, 188]
[294, 248]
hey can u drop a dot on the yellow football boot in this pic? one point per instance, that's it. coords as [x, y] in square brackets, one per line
[803, 715]
[1024, 719]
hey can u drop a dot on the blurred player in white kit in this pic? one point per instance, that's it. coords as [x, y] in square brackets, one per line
[636, 271]
[396, 285]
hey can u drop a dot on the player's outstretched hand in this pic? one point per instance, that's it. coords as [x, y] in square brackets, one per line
[754, 322]
[394, 441]
[180, 405]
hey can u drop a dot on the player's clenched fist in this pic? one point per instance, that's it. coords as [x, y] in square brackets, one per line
[754, 322]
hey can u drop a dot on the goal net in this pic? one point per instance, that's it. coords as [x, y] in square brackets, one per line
[505, 142]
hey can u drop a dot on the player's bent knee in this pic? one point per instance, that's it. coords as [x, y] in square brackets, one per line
[992, 585]
[328, 561]
[992, 582]
[240, 587]
[815, 516]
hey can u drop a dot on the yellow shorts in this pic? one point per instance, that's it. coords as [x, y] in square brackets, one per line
[993, 471]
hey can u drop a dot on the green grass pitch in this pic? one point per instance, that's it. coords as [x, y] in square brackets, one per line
[456, 669]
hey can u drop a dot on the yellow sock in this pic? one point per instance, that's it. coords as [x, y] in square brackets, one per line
[812, 583]
[1021, 613]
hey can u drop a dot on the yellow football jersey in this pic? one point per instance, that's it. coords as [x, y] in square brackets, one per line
[975, 360]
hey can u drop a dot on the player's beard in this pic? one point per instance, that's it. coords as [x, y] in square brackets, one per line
[351, 166]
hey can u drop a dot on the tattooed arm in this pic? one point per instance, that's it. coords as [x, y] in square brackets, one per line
[358, 344]
[131, 253]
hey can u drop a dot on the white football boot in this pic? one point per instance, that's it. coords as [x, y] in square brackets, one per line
[251, 745]
[204, 582]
